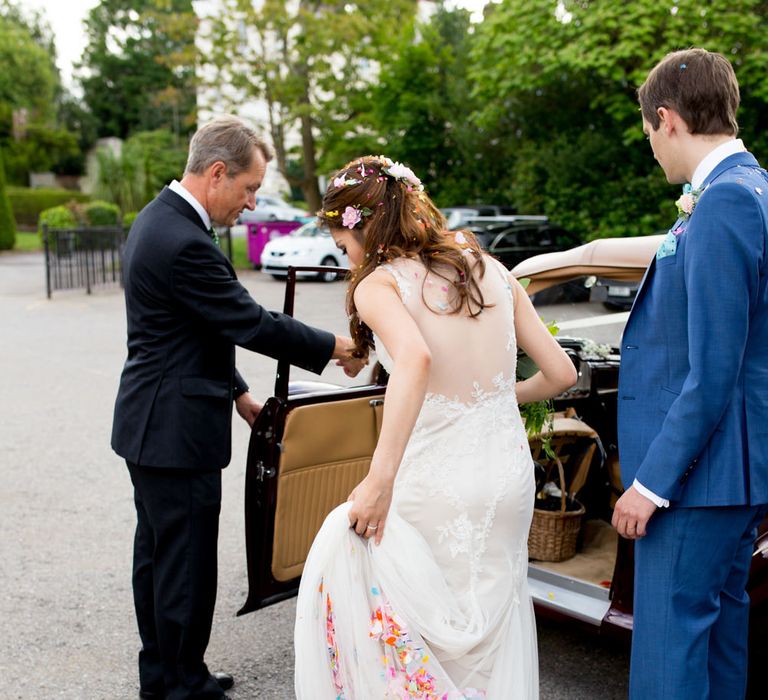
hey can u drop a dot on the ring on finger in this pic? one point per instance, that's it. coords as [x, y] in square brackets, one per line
[372, 527]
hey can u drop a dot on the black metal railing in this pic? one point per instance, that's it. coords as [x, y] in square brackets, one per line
[80, 258]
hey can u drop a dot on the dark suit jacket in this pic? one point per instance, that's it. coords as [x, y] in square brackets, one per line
[186, 312]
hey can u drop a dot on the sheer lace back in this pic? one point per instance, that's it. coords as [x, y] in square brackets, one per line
[472, 357]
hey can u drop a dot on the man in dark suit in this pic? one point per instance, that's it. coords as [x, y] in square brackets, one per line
[693, 393]
[186, 312]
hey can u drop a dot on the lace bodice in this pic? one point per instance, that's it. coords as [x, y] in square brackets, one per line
[471, 357]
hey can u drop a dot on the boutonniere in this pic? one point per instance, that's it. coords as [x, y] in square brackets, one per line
[686, 202]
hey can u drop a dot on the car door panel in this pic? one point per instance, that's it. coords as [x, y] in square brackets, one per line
[326, 452]
[307, 452]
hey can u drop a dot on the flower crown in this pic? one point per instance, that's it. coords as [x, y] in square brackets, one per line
[397, 171]
[352, 215]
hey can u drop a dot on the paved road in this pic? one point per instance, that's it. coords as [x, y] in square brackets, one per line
[66, 514]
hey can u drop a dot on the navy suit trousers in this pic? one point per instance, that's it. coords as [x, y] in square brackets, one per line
[174, 578]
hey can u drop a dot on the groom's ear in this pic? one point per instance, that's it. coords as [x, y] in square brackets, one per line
[665, 122]
[671, 121]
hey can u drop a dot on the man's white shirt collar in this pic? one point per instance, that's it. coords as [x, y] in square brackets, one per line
[713, 159]
[183, 192]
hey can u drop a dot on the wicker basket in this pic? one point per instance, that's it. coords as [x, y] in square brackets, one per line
[553, 533]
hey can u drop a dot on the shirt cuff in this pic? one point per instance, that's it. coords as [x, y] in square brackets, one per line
[650, 495]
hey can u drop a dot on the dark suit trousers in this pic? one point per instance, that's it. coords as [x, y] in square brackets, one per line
[174, 578]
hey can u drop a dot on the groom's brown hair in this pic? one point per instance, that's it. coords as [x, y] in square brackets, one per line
[699, 85]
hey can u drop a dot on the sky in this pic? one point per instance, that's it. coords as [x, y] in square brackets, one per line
[66, 19]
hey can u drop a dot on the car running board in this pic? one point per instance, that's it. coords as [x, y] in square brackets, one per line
[584, 601]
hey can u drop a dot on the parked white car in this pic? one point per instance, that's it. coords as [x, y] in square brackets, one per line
[271, 208]
[309, 245]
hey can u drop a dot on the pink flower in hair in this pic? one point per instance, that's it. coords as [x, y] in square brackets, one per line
[351, 217]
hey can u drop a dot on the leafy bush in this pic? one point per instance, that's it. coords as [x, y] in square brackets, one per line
[28, 203]
[57, 217]
[129, 218]
[101, 213]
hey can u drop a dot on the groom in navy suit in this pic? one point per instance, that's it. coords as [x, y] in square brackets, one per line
[693, 393]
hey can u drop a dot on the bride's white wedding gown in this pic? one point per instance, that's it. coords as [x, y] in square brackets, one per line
[439, 610]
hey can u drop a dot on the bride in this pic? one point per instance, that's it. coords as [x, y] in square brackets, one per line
[416, 587]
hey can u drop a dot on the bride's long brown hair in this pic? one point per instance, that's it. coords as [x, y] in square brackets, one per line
[400, 220]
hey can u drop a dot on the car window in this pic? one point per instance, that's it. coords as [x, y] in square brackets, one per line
[311, 229]
[507, 239]
[306, 231]
[574, 310]
[457, 217]
[531, 236]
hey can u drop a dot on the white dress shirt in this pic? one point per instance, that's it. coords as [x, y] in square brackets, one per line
[713, 159]
[183, 192]
[703, 169]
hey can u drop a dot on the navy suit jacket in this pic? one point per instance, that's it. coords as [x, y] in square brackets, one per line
[186, 312]
[693, 386]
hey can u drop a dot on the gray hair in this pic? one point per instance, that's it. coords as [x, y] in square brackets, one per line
[227, 139]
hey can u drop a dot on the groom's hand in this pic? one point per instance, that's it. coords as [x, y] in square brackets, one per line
[248, 408]
[632, 513]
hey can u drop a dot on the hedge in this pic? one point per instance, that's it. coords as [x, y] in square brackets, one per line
[27, 203]
[7, 226]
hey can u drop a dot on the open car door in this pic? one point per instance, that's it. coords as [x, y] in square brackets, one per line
[311, 445]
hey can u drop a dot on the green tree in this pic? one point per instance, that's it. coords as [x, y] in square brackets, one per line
[137, 70]
[148, 161]
[7, 224]
[43, 149]
[30, 96]
[558, 82]
[27, 80]
[421, 107]
[312, 63]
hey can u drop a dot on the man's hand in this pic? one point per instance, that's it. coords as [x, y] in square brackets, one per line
[342, 353]
[248, 408]
[632, 513]
[343, 348]
[352, 366]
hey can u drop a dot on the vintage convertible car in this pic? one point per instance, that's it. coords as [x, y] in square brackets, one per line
[313, 442]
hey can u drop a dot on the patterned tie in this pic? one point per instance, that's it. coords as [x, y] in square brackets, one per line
[214, 236]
